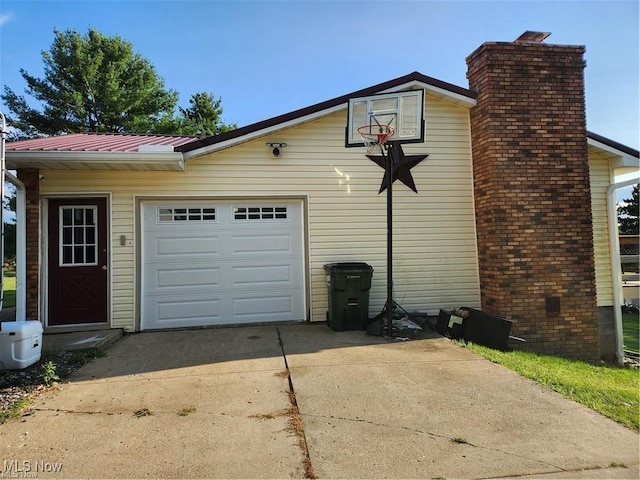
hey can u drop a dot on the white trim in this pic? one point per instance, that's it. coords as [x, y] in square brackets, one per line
[87, 160]
[21, 249]
[43, 268]
[625, 160]
[473, 206]
[441, 93]
[263, 132]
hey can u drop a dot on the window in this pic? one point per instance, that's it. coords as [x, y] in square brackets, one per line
[260, 213]
[78, 234]
[186, 214]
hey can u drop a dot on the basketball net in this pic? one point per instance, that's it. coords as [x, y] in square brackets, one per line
[374, 137]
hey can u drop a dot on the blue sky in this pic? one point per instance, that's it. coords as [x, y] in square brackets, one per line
[265, 58]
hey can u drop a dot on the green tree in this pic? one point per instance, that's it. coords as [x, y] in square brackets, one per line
[203, 117]
[92, 83]
[628, 214]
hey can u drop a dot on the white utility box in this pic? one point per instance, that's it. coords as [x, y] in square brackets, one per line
[20, 344]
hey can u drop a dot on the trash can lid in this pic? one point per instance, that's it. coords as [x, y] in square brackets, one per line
[359, 266]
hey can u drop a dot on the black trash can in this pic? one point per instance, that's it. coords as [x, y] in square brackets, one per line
[348, 291]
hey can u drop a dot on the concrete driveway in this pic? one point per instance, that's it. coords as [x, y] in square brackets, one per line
[217, 403]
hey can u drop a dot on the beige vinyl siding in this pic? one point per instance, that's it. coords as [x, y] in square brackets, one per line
[600, 177]
[435, 260]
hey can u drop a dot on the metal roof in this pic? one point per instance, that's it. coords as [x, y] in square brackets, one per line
[100, 142]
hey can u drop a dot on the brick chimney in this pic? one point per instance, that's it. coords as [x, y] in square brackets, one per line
[532, 193]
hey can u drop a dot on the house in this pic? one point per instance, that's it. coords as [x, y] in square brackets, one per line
[513, 213]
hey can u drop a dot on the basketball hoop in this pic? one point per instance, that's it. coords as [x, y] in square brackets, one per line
[375, 136]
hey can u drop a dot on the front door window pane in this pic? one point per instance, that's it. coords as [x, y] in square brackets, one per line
[67, 217]
[78, 216]
[78, 236]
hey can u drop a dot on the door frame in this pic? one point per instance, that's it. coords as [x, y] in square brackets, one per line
[44, 270]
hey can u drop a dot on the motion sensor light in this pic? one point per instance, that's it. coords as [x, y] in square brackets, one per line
[276, 147]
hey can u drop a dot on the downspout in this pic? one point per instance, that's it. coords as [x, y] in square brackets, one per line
[616, 269]
[3, 133]
[21, 242]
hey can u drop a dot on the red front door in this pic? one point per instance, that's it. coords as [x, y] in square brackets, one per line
[77, 233]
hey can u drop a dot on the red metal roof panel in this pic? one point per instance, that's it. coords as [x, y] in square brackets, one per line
[97, 142]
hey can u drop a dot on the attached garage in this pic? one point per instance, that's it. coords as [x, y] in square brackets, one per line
[221, 262]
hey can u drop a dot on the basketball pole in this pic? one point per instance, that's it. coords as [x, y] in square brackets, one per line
[389, 241]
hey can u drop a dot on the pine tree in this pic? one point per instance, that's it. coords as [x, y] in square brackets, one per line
[91, 83]
[628, 214]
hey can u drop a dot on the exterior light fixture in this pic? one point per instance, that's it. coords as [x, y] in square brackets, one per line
[276, 148]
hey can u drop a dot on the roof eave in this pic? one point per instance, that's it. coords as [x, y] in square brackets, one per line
[260, 132]
[611, 145]
[446, 95]
[623, 159]
[457, 95]
[65, 160]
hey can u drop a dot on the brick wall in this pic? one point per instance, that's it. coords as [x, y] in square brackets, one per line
[31, 180]
[532, 198]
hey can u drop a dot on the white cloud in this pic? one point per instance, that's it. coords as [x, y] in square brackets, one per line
[6, 18]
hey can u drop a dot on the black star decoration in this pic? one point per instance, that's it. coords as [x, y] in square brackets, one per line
[402, 165]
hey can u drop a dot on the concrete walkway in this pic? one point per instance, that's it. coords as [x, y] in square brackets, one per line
[100, 339]
[216, 403]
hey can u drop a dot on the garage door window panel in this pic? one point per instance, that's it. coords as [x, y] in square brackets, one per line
[260, 213]
[182, 214]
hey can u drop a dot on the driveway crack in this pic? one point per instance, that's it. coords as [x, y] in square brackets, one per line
[65, 410]
[296, 425]
[438, 435]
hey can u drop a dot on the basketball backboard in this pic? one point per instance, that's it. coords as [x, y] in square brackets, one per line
[402, 111]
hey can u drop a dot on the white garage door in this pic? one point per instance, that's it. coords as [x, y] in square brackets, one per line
[216, 263]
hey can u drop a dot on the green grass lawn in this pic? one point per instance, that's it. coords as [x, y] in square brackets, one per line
[611, 391]
[631, 332]
[9, 289]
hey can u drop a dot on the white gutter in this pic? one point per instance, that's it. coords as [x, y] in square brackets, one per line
[41, 158]
[21, 252]
[616, 269]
